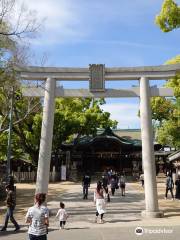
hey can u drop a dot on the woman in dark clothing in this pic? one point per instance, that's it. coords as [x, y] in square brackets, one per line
[177, 183]
[113, 184]
[105, 187]
[11, 204]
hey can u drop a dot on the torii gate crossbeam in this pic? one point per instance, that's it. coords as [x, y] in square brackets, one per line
[97, 75]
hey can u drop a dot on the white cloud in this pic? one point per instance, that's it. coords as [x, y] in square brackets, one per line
[124, 113]
[60, 20]
[74, 20]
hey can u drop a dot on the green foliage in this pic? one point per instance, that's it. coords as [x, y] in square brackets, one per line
[3, 145]
[26, 125]
[25, 135]
[169, 17]
[168, 133]
[78, 116]
[175, 81]
[73, 116]
[167, 112]
[162, 108]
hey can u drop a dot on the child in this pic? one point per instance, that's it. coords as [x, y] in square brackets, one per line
[62, 214]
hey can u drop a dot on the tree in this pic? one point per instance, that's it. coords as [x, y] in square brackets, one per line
[169, 119]
[169, 16]
[168, 134]
[78, 116]
[167, 112]
[25, 21]
[12, 52]
[73, 116]
[24, 125]
[175, 81]
[162, 108]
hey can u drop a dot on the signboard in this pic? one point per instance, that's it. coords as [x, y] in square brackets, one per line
[97, 77]
[63, 172]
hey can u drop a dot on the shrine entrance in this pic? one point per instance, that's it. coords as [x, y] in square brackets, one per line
[97, 74]
[104, 151]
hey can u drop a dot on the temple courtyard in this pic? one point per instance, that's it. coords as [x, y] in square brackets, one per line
[121, 220]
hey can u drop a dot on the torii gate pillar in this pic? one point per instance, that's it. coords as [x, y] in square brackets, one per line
[151, 199]
[46, 137]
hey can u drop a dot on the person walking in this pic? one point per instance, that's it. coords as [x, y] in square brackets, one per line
[177, 183]
[86, 184]
[62, 214]
[122, 184]
[100, 202]
[169, 186]
[105, 187]
[113, 184]
[38, 218]
[11, 204]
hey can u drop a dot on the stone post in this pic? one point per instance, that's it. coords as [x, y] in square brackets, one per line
[46, 137]
[150, 185]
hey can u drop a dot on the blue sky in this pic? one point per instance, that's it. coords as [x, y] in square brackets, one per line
[117, 33]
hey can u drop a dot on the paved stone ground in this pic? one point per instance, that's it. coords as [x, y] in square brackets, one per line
[122, 217]
[82, 212]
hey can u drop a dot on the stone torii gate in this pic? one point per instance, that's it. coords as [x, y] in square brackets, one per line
[97, 75]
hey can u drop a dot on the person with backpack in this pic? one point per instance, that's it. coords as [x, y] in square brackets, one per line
[86, 184]
[169, 186]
